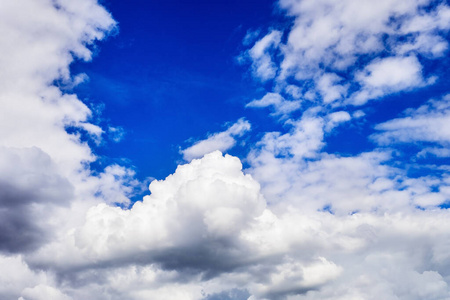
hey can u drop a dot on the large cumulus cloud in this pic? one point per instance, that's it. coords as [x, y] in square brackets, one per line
[190, 219]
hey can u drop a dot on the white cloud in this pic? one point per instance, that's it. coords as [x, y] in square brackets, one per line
[293, 170]
[436, 151]
[206, 229]
[329, 89]
[423, 28]
[46, 184]
[43, 168]
[221, 141]
[388, 75]
[305, 224]
[281, 106]
[333, 38]
[428, 123]
[262, 64]
[210, 199]
[336, 118]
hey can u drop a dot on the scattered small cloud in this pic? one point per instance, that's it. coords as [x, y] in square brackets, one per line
[221, 141]
[116, 134]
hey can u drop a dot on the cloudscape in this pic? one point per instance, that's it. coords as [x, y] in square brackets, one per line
[224, 150]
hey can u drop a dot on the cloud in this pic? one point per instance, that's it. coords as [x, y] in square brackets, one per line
[281, 106]
[293, 170]
[297, 223]
[222, 141]
[262, 65]
[336, 118]
[17, 279]
[333, 50]
[329, 88]
[250, 37]
[46, 184]
[388, 75]
[116, 134]
[206, 230]
[424, 124]
[210, 199]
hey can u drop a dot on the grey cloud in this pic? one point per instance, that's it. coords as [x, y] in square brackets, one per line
[28, 179]
[28, 175]
[18, 231]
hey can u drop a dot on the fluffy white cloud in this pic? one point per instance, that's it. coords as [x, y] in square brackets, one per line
[329, 39]
[221, 141]
[203, 203]
[206, 230]
[336, 118]
[41, 292]
[386, 76]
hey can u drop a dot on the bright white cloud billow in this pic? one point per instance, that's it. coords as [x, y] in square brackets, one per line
[300, 221]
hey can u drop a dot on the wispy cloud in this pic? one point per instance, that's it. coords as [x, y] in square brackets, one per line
[222, 141]
[328, 39]
[428, 123]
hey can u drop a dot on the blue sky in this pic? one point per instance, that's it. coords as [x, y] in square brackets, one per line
[178, 64]
[176, 61]
[258, 150]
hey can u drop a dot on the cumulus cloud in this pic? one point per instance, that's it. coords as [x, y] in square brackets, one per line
[210, 199]
[222, 141]
[207, 230]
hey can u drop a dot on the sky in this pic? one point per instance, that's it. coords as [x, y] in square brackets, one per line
[224, 150]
